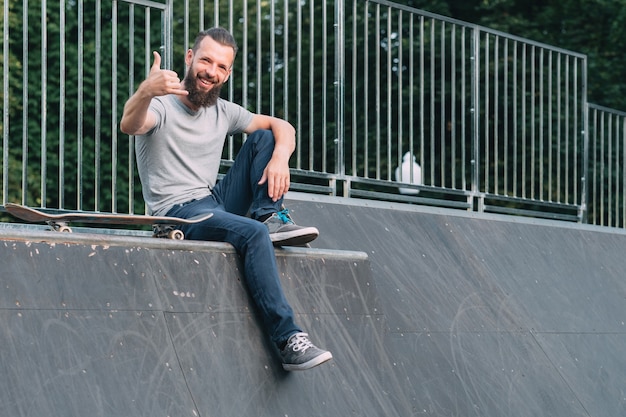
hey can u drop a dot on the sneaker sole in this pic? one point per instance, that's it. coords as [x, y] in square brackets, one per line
[295, 238]
[318, 360]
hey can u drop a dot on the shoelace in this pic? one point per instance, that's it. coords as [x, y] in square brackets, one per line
[283, 215]
[300, 342]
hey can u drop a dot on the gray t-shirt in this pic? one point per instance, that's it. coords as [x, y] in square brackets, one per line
[178, 160]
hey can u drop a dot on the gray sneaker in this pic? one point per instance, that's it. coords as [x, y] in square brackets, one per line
[284, 232]
[300, 354]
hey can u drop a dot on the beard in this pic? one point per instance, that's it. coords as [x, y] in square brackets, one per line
[198, 97]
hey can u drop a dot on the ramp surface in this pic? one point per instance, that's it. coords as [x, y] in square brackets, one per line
[427, 312]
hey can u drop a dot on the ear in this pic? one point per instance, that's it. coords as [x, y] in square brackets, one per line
[188, 58]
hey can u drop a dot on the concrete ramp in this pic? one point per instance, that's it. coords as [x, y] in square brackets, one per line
[427, 312]
[96, 325]
[491, 315]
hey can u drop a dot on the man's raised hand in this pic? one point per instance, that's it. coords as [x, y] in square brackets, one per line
[162, 82]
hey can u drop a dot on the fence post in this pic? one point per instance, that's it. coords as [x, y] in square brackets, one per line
[584, 183]
[339, 82]
[475, 111]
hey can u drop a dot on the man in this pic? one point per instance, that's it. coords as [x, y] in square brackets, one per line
[180, 130]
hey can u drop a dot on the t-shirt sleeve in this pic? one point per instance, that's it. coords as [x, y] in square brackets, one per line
[239, 118]
[158, 109]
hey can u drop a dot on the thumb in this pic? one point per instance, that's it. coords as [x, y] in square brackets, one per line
[157, 61]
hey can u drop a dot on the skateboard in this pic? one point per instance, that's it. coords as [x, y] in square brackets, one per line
[162, 226]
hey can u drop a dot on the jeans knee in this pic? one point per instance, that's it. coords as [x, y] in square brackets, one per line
[258, 231]
[261, 140]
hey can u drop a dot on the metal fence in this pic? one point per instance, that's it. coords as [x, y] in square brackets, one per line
[607, 167]
[495, 122]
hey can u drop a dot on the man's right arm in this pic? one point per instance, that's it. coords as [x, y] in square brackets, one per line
[137, 119]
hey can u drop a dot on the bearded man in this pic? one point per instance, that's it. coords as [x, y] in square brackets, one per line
[180, 130]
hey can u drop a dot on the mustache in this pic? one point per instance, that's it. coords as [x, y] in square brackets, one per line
[208, 78]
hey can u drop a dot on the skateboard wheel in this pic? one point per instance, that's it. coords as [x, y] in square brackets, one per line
[64, 229]
[176, 235]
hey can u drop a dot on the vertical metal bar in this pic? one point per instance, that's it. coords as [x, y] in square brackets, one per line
[576, 135]
[388, 104]
[44, 103]
[273, 58]
[464, 111]
[505, 87]
[567, 126]
[378, 92]
[411, 97]
[61, 157]
[453, 116]
[80, 106]
[496, 115]
[366, 132]
[5, 103]
[25, 107]
[340, 41]
[325, 53]
[400, 134]
[131, 88]
[244, 56]
[609, 159]
[602, 135]
[585, 148]
[514, 184]
[533, 135]
[201, 15]
[147, 43]
[442, 106]
[422, 100]
[524, 121]
[541, 123]
[311, 164]
[475, 112]
[147, 50]
[550, 127]
[592, 163]
[299, 71]
[186, 25]
[487, 103]
[244, 48]
[286, 39]
[167, 37]
[433, 93]
[114, 139]
[616, 170]
[259, 54]
[559, 117]
[216, 8]
[98, 115]
[586, 183]
[353, 170]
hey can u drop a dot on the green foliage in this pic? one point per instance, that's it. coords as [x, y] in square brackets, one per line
[596, 28]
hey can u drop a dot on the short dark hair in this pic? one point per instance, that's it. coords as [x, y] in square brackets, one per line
[219, 35]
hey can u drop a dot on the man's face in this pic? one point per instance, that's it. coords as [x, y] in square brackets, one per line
[208, 69]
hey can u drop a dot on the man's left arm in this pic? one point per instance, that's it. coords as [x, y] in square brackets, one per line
[276, 172]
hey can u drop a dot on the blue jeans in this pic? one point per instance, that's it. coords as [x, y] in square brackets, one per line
[236, 195]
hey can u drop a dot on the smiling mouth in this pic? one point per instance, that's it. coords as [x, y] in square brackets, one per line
[207, 82]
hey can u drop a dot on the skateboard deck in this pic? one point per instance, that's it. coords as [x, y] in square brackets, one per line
[163, 226]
